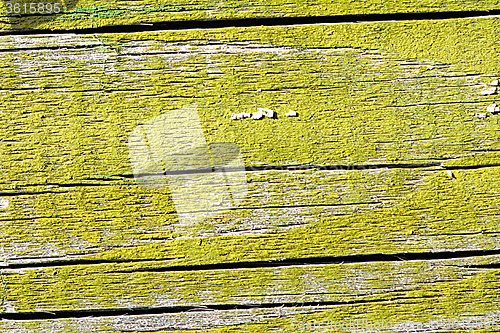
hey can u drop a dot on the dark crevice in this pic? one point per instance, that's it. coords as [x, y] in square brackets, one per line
[301, 206]
[13, 194]
[286, 167]
[262, 21]
[327, 260]
[80, 184]
[59, 263]
[485, 266]
[286, 206]
[64, 185]
[43, 315]
[433, 103]
[472, 167]
[39, 48]
[105, 179]
[483, 150]
[308, 167]
[27, 218]
[464, 233]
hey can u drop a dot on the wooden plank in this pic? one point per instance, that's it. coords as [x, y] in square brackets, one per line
[432, 293]
[74, 14]
[284, 215]
[308, 319]
[243, 320]
[322, 90]
[393, 99]
[363, 99]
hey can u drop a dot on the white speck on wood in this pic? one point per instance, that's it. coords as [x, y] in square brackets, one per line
[489, 91]
[481, 115]
[266, 112]
[257, 115]
[4, 203]
[291, 114]
[494, 83]
[450, 174]
[493, 108]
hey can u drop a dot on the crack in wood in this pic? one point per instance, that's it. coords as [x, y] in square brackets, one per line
[290, 168]
[261, 21]
[57, 48]
[60, 263]
[13, 194]
[326, 260]
[313, 167]
[44, 315]
[485, 266]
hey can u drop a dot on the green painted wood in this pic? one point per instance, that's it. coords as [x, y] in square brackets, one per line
[286, 214]
[74, 14]
[67, 116]
[121, 285]
[366, 94]
[308, 319]
[431, 293]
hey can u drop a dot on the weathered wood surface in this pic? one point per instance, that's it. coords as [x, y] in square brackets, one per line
[443, 294]
[75, 14]
[393, 99]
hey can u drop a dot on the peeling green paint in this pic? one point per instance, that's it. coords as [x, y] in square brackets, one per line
[89, 14]
[355, 84]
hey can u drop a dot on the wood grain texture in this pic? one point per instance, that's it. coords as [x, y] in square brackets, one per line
[386, 106]
[284, 215]
[436, 296]
[67, 117]
[307, 319]
[147, 284]
[76, 14]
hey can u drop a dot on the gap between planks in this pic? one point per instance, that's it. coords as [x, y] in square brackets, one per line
[261, 21]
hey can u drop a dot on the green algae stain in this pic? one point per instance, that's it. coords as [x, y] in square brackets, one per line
[111, 216]
[85, 14]
[405, 297]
